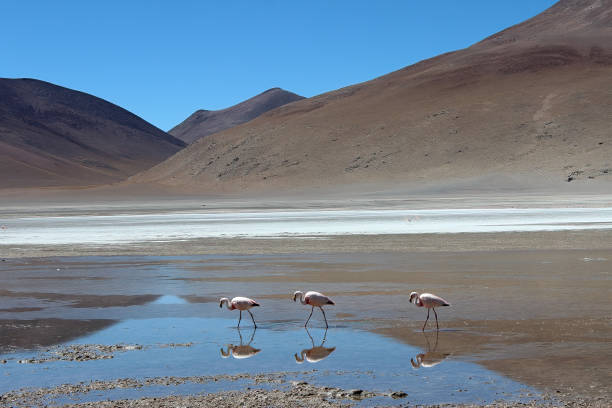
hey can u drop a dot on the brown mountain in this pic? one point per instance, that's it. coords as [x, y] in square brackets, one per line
[532, 101]
[203, 122]
[50, 136]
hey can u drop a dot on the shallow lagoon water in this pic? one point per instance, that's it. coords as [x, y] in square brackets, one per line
[301, 223]
[154, 301]
[351, 359]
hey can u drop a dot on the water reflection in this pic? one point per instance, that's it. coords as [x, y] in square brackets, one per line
[241, 351]
[316, 353]
[37, 333]
[430, 358]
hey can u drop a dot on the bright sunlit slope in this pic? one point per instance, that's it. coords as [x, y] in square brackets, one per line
[533, 100]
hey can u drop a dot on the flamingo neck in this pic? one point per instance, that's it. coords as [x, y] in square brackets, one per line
[227, 303]
[301, 295]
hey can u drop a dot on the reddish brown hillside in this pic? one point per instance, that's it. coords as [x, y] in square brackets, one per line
[203, 122]
[534, 100]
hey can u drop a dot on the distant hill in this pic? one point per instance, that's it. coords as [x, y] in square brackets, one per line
[52, 136]
[532, 101]
[203, 122]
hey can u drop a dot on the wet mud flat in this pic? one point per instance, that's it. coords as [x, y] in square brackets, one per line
[263, 391]
[516, 332]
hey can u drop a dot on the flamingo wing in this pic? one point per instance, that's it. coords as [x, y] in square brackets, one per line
[317, 299]
[243, 303]
[431, 300]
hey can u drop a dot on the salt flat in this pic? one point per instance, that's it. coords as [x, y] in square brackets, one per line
[131, 228]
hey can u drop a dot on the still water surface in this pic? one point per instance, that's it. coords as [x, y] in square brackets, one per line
[342, 357]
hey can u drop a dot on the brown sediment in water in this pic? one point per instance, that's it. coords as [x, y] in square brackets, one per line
[550, 354]
[85, 300]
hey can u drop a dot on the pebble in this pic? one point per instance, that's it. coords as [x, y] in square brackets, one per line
[398, 394]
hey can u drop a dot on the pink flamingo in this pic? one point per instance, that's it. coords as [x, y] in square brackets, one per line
[429, 301]
[240, 303]
[313, 299]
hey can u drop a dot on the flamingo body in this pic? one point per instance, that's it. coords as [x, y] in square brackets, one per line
[240, 303]
[430, 300]
[316, 299]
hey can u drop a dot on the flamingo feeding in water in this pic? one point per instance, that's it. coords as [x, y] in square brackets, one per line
[429, 301]
[240, 303]
[314, 299]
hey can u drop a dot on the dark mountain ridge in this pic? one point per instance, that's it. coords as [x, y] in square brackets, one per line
[51, 135]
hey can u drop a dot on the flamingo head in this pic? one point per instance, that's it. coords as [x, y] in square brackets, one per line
[295, 294]
[414, 295]
[223, 300]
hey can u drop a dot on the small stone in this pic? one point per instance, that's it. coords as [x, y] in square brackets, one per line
[398, 394]
[356, 392]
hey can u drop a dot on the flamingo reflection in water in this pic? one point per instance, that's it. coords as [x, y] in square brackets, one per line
[431, 358]
[316, 353]
[243, 350]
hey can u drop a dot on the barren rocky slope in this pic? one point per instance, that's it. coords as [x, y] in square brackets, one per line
[204, 122]
[534, 100]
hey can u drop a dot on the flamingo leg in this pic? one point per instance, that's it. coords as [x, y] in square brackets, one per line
[326, 325]
[311, 310]
[425, 324]
[252, 318]
[240, 318]
[437, 327]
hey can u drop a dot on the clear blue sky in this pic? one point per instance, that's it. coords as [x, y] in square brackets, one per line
[164, 59]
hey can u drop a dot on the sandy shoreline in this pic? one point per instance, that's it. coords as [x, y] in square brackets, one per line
[278, 391]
